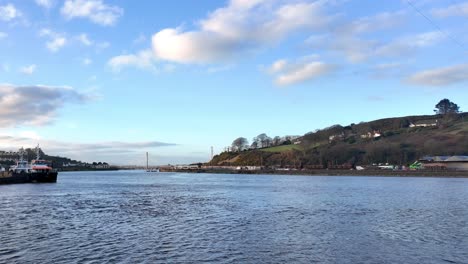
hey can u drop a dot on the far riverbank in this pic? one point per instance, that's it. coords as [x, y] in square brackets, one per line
[375, 173]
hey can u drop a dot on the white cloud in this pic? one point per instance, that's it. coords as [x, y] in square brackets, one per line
[87, 61]
[354, 41]
[192, 47]
[3, 35]
[34, 105]
[303, 73]
[56, 40]
[378, 22]
[304, 69]
[84, 39]
[354, 48]
[30, 69]
[56, 43]
[460, 9]
[94, 10]
[440, 76]
[237, 28]
[357, 49]
[278, 66]
[143, 60]
[45, 3]
[408, 45]
[9, 12]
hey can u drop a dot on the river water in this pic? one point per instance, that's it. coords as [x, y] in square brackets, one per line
[139, 217]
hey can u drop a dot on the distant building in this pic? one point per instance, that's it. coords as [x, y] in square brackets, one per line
[424, 123]
[336, 137]
[450, 162]
[248, 168]
[102, 166]
[373, 134]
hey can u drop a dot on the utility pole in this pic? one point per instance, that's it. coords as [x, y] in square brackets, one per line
[211, 160]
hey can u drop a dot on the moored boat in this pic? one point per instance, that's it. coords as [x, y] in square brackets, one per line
[39, 171]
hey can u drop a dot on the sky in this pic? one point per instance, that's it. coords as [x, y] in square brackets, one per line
[108, 80]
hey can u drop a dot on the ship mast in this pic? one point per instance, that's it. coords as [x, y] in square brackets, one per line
[38, 154]
[21, 154]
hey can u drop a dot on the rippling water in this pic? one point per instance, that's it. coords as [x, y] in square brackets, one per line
[137, 217]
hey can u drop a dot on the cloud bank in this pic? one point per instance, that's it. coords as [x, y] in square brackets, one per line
[440, 76]
[240, 27]
[460, 9]
[34, 105]
[114, 152]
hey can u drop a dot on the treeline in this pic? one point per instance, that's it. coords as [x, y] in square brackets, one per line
[57, 161]
[260, 141]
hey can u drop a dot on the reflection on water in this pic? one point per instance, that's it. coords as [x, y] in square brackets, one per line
[135, 217]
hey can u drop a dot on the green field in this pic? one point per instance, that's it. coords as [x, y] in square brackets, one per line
[282, 148]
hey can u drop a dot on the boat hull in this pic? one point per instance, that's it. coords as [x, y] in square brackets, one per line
[33, 177]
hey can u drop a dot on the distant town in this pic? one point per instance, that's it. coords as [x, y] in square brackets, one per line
[9, 158]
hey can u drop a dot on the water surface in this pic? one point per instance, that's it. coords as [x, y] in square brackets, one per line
[139, 217]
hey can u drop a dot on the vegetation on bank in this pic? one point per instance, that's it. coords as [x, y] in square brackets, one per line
[57, 162]
[398, 141]
[282, 148]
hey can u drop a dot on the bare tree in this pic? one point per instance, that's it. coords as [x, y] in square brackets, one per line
[276, 141]
[240, 143]
[263, 140]
[254, 144]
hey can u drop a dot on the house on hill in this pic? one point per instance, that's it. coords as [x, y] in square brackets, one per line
[373, 134]
[424, 123]
[336, 137]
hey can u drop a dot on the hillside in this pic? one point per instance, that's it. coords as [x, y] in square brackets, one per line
[398, 141]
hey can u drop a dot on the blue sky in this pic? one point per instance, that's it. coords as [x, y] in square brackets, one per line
[109, 80]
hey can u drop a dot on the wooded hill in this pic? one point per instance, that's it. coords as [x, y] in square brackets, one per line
[397, 141]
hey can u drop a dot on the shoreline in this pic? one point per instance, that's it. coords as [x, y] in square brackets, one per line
[369, 173]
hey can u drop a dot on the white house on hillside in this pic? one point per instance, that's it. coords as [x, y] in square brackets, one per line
[424, 123]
